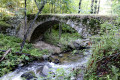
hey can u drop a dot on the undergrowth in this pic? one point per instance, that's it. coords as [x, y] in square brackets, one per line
[67, 35]
[11, 59]
[105, 60]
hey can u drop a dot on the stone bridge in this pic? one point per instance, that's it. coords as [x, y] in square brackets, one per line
[85, 25]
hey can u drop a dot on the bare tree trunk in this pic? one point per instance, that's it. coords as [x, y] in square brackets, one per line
[92, 4]
[52, 9]
[60, 30]
[79, 6]
[98, 7]
[25, 27]
[50, 5]
[95, 7]
[60, 7]
[28, 30]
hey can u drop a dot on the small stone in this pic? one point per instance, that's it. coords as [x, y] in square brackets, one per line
[60, 55]
[20, 65]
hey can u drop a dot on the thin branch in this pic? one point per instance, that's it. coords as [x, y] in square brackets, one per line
[79, 6]
[95, 7]
[25, 16]
[36, 4]
[8, 51]
[18, 53]
[98, 7]
[92, 4]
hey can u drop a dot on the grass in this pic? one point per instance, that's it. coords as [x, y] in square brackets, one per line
[12, 60]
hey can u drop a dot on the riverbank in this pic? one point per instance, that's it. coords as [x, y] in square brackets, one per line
[12, 59]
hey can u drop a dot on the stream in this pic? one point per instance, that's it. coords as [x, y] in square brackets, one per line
[42, 70]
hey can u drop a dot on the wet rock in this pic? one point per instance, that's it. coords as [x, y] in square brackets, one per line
[20, 65]
[60, 55]
[29, 75]
[51, 58]
[56, 61]
[45, 57]
[45, 46]
[43, 71]
[79, 44]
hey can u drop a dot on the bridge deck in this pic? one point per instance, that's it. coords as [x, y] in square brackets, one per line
[31, 16]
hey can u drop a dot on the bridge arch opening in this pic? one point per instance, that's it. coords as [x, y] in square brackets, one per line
[39, 31]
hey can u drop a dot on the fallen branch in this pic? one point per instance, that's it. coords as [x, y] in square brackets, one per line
[8, 51]
[18, 53]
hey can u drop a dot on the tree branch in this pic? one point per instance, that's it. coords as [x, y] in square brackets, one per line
[8, 51]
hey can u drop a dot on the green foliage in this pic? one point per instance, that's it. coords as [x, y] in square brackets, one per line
[108, 43]
[12, 59]
[61, 74]
[51, 6]
[4, 24]
[67, 35]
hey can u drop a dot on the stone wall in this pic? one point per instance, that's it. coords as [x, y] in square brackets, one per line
[9, 25]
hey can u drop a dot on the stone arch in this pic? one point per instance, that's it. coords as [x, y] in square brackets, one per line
[75, 21]
[39, 29]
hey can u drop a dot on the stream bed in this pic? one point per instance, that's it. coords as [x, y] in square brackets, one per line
[45, 70]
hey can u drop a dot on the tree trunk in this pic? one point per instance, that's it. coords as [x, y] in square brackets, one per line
[95, 7]
[98, 7]
[60, 30]
[79, 6]
[28, 30]
[92, 4]
[25, 27]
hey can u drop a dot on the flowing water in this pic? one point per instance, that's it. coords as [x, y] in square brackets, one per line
[67, 62]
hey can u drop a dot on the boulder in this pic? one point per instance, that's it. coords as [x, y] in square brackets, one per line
[46, 57]
[48, 47]
[79, 44]
[43, 71]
